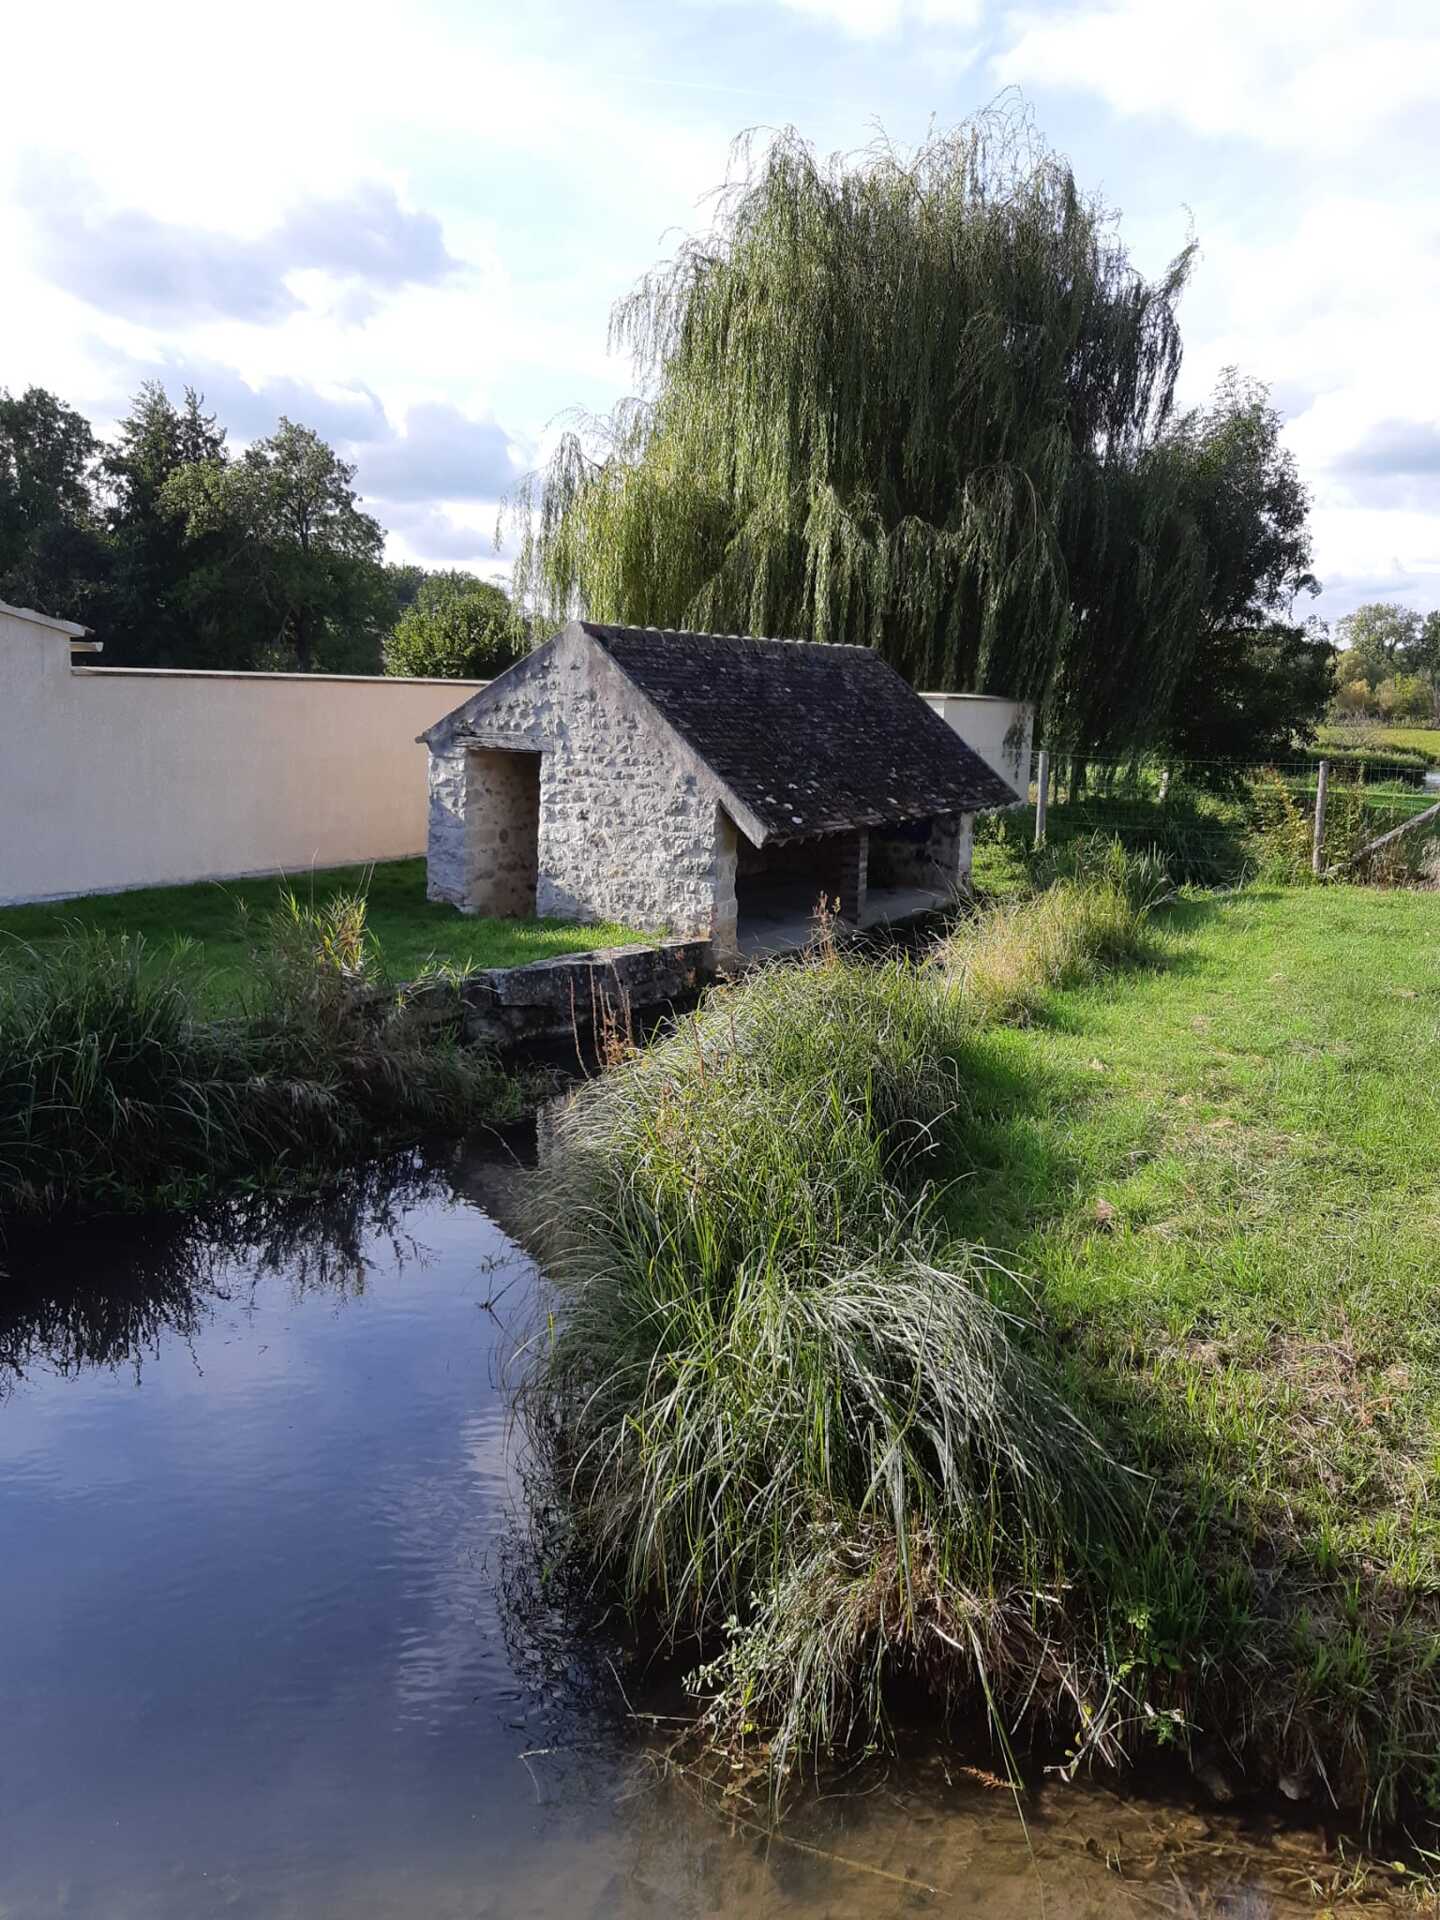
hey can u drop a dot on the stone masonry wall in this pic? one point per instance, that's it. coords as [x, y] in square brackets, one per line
[447, 873]
[502, 816]
[484, 818]
[923, 853]
[627, 830]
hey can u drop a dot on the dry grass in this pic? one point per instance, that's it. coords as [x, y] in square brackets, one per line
[1090, 916]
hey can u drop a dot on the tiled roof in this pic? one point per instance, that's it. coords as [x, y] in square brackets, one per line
[809, 738]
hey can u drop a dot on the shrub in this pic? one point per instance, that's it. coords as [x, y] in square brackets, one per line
[1282, 837]
[1352, 698]
[1405, 766]
[1196, 834]
[458, 627]
[1405, 696]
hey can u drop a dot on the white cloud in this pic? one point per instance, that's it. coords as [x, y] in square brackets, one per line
[877, 19]
[455, 534]
[125, 261]
[1285, 73]
[1318, 224]
[1293, 73]
[536, 157]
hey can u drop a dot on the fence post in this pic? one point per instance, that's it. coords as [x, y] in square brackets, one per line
[1322, 785]
[1042, 796]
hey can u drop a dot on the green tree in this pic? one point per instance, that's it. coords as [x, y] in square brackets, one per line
[459, 627]
[1424, 660]
[168, 604]
[916, 403]
[406, 580]
[1254, 680]
[287, 527]
[1253, 693]
[53, 552]
[1378, 641]
[1405, 698]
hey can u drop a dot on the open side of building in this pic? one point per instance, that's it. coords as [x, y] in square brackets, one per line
[713, 785]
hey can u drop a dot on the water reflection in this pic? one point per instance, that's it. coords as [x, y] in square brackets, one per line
[105, 1293]
[274, 1641]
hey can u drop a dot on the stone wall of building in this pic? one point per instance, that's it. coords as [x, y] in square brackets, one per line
[484, 823]
[630, 826]
[725, 922]
[923, 853]
[445, 875]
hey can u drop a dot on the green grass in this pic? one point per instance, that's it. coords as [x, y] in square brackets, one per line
[775, 1395]
[1424, 740]
[1223, 1179]
[121, 1088]
[1193, 1210]
[1211, 838]
[411, 931]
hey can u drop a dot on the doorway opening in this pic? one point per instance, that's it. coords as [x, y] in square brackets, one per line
[502, 832]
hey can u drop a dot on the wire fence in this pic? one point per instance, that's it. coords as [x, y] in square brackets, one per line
[1211, 814]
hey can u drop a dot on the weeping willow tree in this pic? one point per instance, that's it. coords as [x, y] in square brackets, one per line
[917, 402]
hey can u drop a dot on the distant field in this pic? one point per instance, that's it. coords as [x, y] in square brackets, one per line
[1423, 739]
[410, 929]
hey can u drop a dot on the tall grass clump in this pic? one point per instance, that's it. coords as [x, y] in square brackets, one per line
[117, 1087]
[1092, 917]
[778, 1403]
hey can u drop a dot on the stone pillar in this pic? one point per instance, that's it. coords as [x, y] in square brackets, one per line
[446, 865]
[725, 912]
[851, 871]
[965, 853]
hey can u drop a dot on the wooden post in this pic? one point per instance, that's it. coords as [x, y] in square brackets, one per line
[1042, 796]
[1322, 787]
[1386, 839]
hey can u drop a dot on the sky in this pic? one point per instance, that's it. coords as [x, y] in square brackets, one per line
[407, 226]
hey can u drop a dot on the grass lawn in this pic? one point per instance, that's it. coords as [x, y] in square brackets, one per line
[1425, 739]
[1222, 1178]
[411, 930]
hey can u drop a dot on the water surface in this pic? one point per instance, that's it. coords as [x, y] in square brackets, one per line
[272, 1642]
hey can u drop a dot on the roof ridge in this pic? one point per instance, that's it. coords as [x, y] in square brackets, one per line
[755, 639]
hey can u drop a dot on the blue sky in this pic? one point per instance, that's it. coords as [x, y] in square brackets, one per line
[406, 226]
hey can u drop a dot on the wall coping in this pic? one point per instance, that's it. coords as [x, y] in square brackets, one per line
[71, 627]
[230, 673]
[998, 699]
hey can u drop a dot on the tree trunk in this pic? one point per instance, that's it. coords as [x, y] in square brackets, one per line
[304, 660]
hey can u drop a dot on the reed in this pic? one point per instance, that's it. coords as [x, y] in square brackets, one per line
[776, 1394]
[119, 1088]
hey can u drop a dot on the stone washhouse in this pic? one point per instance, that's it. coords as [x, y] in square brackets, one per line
[711, 785]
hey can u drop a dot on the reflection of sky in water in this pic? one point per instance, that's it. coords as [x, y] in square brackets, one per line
[247, 1622]
[253, 1661]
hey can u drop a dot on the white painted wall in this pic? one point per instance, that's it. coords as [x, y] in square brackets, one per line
[1001, 731]
[124, 777]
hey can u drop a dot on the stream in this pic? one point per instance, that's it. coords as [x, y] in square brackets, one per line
[273, 1640]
